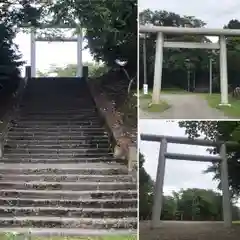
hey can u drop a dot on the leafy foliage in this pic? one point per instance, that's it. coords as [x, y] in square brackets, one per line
[145, 191]
[94, 70]
[9, 61]
[191, 204]
[13, 13]
[175, 66]
[220, 130]
[110, 27]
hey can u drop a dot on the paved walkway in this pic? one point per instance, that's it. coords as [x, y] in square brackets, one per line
[183, 106]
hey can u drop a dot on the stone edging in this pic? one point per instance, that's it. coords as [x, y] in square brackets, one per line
[114, 123]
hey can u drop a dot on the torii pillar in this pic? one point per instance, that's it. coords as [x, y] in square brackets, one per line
[79, 53]
[33, 53]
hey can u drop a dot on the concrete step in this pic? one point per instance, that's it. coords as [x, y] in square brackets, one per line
[67, 232]
[79, 203]
[99, 134]
[56, 121]
[43, 211]
[54, 118]
[68, 195]
[54, 129]
[87, 111]
[54, 145]
[59, 160]
[59, 150]
[57, 132]
[43, 125]
[56, 137]
[26, 116]
[65, 104]
[85, 124]
[56, 141]
[57, 110]
[62, 169]
[74, 186]
[72, 160]
[87, 223]
[66, 178]
[18, 155]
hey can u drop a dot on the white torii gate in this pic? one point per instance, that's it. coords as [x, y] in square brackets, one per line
[163, 154]
[79, 41]
[160, 44]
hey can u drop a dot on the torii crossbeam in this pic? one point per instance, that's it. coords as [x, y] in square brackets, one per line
[160, 44]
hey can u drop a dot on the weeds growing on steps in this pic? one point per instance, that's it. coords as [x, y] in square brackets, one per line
[21, 236]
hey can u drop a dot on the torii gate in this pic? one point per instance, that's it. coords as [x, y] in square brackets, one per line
[160, 44]
[79, 41]
[163, 154]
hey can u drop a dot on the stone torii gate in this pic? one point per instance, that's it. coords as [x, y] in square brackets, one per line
[163, 154]
[160, 44]
[79, 41]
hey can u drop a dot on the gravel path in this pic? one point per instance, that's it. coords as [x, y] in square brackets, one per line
[177, 230]
[183, 106]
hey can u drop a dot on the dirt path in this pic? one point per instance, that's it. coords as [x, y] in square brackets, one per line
[176, 230]
[184, 106]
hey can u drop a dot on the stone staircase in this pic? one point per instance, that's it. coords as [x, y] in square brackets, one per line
[58, 174]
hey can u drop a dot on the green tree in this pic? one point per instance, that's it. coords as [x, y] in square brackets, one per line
[110, 27]
[169, 208]
[200, 204]
[145, 191]
[174, 60]
[9, 61]
[12, 14]
[219, 130]
[95, 70]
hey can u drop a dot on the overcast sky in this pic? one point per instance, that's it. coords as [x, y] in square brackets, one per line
[215, 13]
[179, 174]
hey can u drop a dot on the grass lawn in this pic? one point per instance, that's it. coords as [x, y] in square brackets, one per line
[215, 99]
[158, 108]
[146, 105]
[236, 222]
[130, 237]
